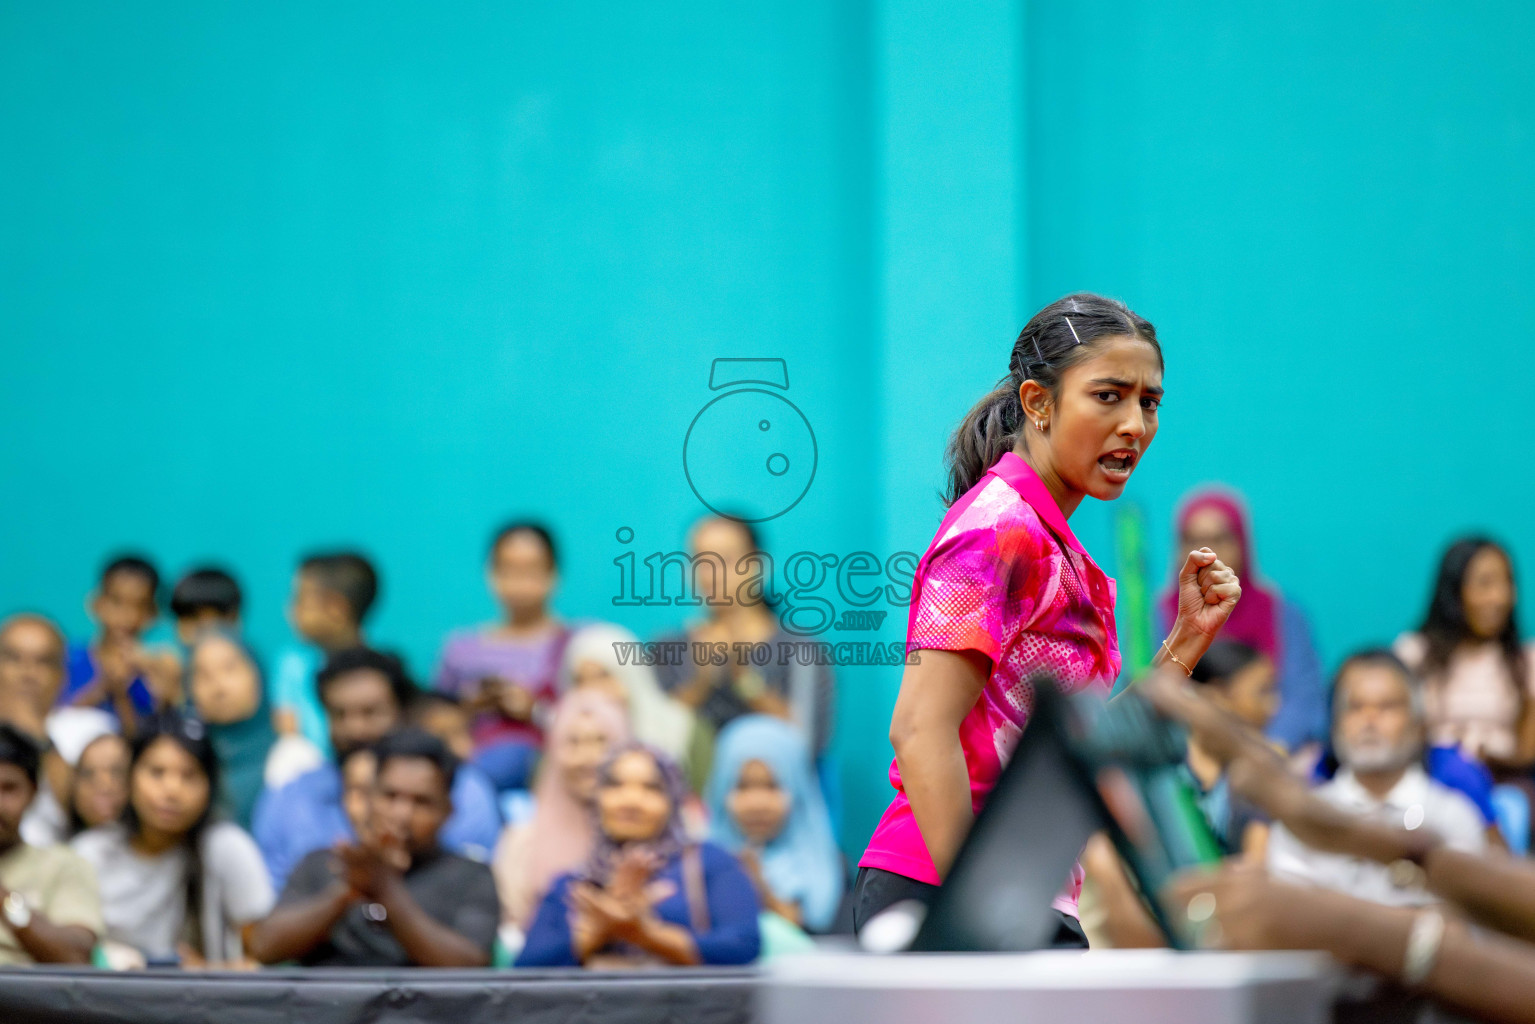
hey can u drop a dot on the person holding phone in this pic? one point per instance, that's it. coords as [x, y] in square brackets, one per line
[506, 675]
[1005, 592]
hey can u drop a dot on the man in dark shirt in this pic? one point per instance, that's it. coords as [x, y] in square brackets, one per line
[395, 898]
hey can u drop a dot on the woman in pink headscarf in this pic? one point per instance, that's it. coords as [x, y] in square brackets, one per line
[1263, 620]
[587, 726]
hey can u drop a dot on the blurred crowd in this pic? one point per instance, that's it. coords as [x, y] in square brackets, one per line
[1441, 717]
[547, 799]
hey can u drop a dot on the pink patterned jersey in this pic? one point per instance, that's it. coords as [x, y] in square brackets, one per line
[1004, 576]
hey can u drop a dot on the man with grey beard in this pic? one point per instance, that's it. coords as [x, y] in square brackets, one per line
[1378, 736]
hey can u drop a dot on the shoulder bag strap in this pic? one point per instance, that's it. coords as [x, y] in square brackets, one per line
[697, 891]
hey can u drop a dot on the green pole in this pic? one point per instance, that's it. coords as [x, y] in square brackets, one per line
[1133, 611]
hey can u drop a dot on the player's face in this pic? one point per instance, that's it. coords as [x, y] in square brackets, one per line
[1105, 416]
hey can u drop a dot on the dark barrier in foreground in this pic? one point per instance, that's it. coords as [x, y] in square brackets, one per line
[83, 996]
[697, 996]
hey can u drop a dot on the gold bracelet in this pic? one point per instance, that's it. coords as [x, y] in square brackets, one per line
[1174, 659]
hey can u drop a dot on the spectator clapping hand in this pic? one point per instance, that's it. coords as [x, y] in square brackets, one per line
[120, 661]
[372, 870]
[623, 909]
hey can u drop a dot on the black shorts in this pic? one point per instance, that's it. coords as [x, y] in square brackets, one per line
[877, 889]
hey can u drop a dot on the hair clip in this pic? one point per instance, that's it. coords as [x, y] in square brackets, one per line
[1037, 352]
[1073, 327]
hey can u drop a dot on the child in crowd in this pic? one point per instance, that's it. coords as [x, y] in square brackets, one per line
[647, 896]
[506, 674]
[586, 728]
[332, 595]
[171, 863]
[116, 671]
[1242, 681]
[202, 599]
[765, 805]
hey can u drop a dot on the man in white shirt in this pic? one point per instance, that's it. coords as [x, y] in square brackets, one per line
[1378, 735]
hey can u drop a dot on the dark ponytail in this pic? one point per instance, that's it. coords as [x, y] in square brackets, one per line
[1048, 345]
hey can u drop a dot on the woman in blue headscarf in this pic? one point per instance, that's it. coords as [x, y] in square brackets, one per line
[765, 805]
[229, 695]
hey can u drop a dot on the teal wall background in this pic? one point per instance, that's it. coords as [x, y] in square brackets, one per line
[275, 277]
